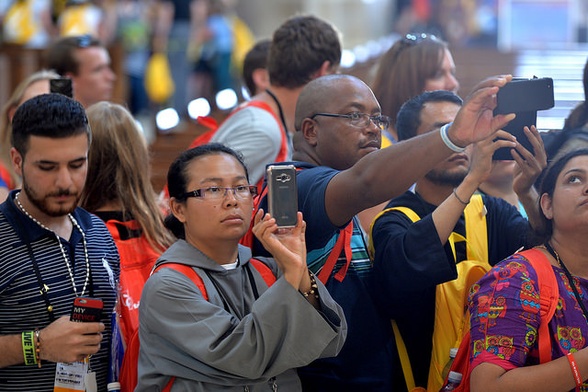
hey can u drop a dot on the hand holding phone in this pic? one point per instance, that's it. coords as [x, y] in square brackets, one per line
[87, 310]
[282, 194]
[524, 97]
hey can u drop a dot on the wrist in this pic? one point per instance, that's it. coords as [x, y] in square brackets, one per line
[312, 291]
[444, 131]
[28, 348]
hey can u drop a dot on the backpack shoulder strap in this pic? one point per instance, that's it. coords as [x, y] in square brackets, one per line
[413, 216]
[265, 271]
[343, 244]
[548, 298]
[189, 272]
[476, 229]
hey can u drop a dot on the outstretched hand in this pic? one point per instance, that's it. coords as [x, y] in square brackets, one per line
[476, 121]
[287, 246]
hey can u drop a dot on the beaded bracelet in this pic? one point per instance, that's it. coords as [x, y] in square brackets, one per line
[28, 348]
[452, 146]
[575, 370]
[38, 347]
[313, 287]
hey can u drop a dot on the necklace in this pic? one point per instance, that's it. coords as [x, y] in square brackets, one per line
[569, 276]
[63, 253]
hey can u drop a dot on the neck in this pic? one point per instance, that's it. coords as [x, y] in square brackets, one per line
[112, 205]
[572, 252]
[287, 98]
[502, 191]
[61, 225]
[433, 193]
[222, 251]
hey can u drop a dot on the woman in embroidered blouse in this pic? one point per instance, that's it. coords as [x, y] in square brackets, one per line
[504, 307]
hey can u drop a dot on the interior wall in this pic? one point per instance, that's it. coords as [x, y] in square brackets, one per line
[358, 20]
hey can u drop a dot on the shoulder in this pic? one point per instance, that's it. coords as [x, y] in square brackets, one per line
[250, 116]
[510, 273]
[316, 173]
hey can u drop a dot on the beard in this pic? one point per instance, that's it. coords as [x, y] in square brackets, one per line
[444, 178]
[42, 205]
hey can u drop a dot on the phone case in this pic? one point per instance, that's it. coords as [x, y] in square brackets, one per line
[282, 194]
[525, 95]
[85, 309]
[516, 127]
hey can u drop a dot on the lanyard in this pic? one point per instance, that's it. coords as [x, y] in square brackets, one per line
[570, 278]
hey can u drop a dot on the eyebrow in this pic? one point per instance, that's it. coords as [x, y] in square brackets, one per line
[220, 179]
[574, 170]
[47, 162]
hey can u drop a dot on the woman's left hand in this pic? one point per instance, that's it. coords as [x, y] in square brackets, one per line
[287, 246]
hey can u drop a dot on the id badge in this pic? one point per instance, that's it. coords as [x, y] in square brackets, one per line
[74, 376]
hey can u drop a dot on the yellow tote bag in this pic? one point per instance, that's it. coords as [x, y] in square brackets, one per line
[158, 80]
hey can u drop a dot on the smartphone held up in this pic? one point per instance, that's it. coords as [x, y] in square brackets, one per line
[524, 97]
[282, 194]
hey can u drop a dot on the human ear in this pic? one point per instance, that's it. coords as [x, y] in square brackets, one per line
[546, 205]
[309, 131]
[17, 161]
[178, 209]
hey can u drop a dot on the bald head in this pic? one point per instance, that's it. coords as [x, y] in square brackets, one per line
[317, 95]
[325, 134]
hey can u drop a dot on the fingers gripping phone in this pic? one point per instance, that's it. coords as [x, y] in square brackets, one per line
[524, 97]
[87, 310]
[282, 194]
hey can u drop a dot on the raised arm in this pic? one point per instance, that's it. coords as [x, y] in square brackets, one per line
[387, 173]
[447, 213]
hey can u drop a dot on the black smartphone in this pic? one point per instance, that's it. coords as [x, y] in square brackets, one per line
[524, 97]
[61, 86]
[282, 194]
[87, 310]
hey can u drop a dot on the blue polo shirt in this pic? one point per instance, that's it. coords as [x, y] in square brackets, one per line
[22, 308]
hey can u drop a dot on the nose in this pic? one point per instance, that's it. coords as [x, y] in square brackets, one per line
[451, 83]
[64, 178]
[110, 75]
[230, 196]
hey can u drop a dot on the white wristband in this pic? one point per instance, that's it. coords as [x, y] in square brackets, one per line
[452, 146]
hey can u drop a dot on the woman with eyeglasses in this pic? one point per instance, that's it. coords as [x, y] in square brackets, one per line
[246, 335]
[509, 351]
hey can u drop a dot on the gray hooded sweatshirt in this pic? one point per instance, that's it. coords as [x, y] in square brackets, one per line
[232, 342]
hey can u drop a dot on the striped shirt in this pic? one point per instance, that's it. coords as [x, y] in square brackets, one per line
[22, 308]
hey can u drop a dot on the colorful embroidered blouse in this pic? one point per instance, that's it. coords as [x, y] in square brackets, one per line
[505, 317]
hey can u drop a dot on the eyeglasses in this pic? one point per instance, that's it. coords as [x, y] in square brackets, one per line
[217, 193]
[360, 120]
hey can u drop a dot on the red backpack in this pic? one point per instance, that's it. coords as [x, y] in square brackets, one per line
[212, 125]
[548, 299]
[128, 372]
